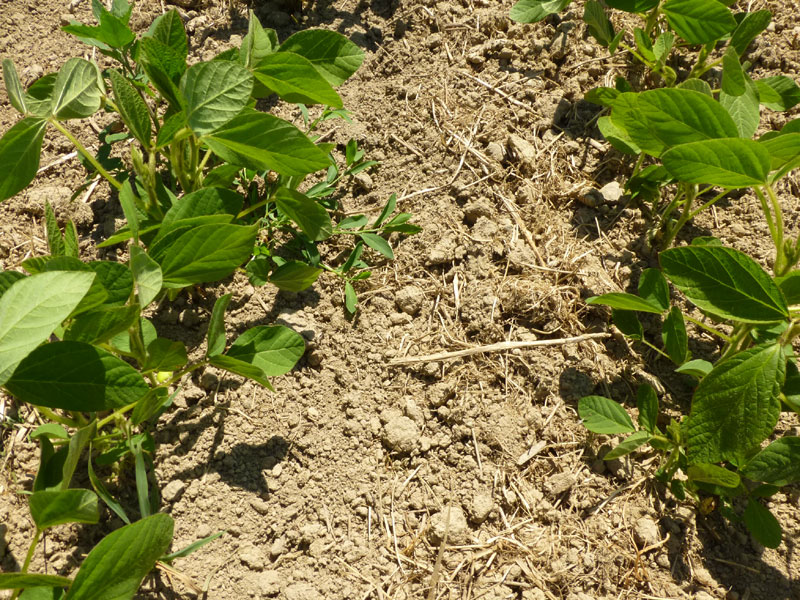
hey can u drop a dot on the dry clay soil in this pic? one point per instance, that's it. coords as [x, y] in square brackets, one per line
[339, 485]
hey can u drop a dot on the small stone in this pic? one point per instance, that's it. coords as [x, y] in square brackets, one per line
[434, 41]
[482, 505]
[704, 578]
[591, 197]
[612, 192]
[173, 490]
[475, 209]
[495, 151]
[524, 152]
[364, 181]
[277, 548]
[401, 434]
[269, 582]
[65, 19]
[646, 532]
[558, 484]
[208, 381]
[457, 529]
[399, 318]
[414, 412]
[252, 557]
[302, 591]
[203, 531]
[476, 59]
[259, 506]
[409, 299]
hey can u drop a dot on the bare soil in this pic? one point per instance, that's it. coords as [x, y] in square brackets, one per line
[338, 486]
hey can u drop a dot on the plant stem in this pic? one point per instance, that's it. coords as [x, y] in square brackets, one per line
[689, 192]
[659, 350]
[714, 200]
[767, 215]
[86, 154]
[28, 558]
[115, 414]
[52, 416]
[708, 328]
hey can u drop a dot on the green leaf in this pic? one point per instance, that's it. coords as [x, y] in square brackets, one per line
[76, 93]
[697, 368]
[713, 474]
[659, 119]
[745, 109]
[752, 24]
[647, 403]
[193, 207]
[216, 326]
[598, 23]
[777, 464]
[20, 150]
[50, 508]
[16, 94]
[601, 415]
[258, 42]
[699, 21]
[604, 96]
[378, 244]
[696, 85]
[310, 216]
[778, 93]
[628, 445]
[149, 405]
[39, 97]
[633, 6]
[731, 163]
[617, 136]
[165, 355]
[18, 581]
[388, 209]
[207, 253]
[628, 323]
[260, 141]
[171, 127]
[275, 350]
[623, 301]
[102, 492]
[350, 298]
[736, 406]
[240, 367]
[193, 547]
[296, 80]
[76, 376]
[132, 108]
[164, 67]
[50, 430]
[147, 275]
[55, 241]
[333, 55]
[733, 75]
[8, 278]
[653, 288]
[673, 334]
[644, 45]
[790, 286]
[168, 29]
[74, 450]
[215, 92]
[532, 11]
[100, 325]
[662, 47]
[294, 276]
[221, 176]
[784, 152]
[725, 282]
[32, 308]
[116, 566]
[762, 524]
[116, 278]
[122, 342]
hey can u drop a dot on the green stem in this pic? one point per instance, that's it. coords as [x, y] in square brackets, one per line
[686, 195]
[86, 154]
[767, 215]
[659, 350]
[708, 328]
[52, 416]
[714, 200]
[736, 342]
[117, 413]
[28, 558]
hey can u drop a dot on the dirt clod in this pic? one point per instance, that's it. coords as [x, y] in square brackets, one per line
[269, 582]
[456, 531]
[302, 591]
[524, 152]
[401, 434]
[173, 490]
[409, 299]
[646, 533]
[482, 505]
[559, 483]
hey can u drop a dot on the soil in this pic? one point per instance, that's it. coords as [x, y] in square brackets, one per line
[340, 485]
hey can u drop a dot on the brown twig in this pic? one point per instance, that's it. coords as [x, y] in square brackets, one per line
[499, 347]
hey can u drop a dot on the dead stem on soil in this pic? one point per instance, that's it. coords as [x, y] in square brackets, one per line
[499, 347]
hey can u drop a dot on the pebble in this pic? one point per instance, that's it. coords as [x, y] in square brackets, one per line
[302, 591]
[259, 506]
[252, 557]
[495, 151]
[277, 548]
[457, 530]
[269, 582]
[482, 505]
[173, 490]
[524, 152]
[409, 299]
[646, 532]
[559, 483]
[612, 192]
[401, 434]
[364, 181]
